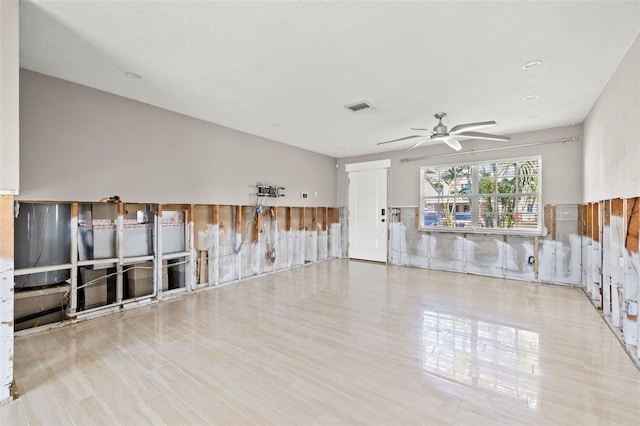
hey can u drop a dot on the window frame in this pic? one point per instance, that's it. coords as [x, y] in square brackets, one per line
[474, 199]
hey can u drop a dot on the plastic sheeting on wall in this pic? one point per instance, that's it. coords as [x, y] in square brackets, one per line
[292, 248]
[323, 245]
[503, 256]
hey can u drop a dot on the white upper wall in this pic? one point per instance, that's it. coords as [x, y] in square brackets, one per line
[612, 134]
[9, 93]
[82, 144]
[561, 165]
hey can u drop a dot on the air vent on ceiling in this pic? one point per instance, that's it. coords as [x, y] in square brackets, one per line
[359, 107]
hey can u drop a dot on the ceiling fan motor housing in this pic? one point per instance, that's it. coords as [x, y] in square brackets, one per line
[440, 130]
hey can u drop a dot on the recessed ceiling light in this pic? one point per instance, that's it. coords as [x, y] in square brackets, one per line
[530, 97]
[342, 148]
[133, 75]
[534, 116]
[275, 125]
[531, 64]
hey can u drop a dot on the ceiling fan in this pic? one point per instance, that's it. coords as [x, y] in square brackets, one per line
[452, 137]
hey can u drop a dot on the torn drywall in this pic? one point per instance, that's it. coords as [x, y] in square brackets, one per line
[344, 231]
[311, 246]
[511, 256]
[335, 235]
[485, 255]
[227, 259]
[323, 244]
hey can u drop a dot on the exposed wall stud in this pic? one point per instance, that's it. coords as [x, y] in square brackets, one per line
[157, 253]
[119, 251]
[325, 219]
[597, 220]
[238, 224]
[314, 218]
[536, 260]
[190, 247]
[239, 232]
[73, 292]
[606, 257]
[633, 225]
[597, 236]
[257, 227]
[216, 214]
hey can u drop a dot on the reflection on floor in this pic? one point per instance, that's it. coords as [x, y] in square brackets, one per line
[489, 356]
[338, 341]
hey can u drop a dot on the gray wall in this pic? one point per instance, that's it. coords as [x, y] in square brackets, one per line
[561, 165]
[612, 134]
[82, 144]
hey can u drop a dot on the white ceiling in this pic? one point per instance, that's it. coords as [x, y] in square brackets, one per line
[285, 70]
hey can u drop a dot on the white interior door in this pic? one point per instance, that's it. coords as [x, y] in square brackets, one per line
[368, 215]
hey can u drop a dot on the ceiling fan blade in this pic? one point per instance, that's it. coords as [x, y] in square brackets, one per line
[424, 130]
[455, 130]
[401, 139]
[416, 145]
[453, 143]
[486, 136]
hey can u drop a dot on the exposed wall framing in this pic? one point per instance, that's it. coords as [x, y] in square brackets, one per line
[139, 252]
[555, 258]
[283, 219]
[204, 217]
[611, 265]
[632, 218]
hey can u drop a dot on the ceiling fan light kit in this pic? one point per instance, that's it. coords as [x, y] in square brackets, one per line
[452, 137]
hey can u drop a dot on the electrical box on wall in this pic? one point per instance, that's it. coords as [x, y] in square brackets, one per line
[269, 191]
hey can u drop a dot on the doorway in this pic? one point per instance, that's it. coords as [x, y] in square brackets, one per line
[368, 210]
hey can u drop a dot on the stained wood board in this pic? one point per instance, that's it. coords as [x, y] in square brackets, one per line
[633, 224]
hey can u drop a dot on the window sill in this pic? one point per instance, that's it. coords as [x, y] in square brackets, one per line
[482, 231]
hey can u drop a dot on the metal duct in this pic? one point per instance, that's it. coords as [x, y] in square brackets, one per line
[42, 238]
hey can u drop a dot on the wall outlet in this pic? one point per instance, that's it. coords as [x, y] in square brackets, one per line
[632, 308]
[304, 195]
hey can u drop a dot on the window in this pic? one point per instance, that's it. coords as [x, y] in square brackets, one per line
[500, 196]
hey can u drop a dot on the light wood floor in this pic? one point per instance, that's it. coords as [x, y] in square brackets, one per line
[336, 342]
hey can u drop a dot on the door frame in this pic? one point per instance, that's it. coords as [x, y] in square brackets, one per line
[384, 164]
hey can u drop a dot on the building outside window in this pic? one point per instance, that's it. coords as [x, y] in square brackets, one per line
[491, 197]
